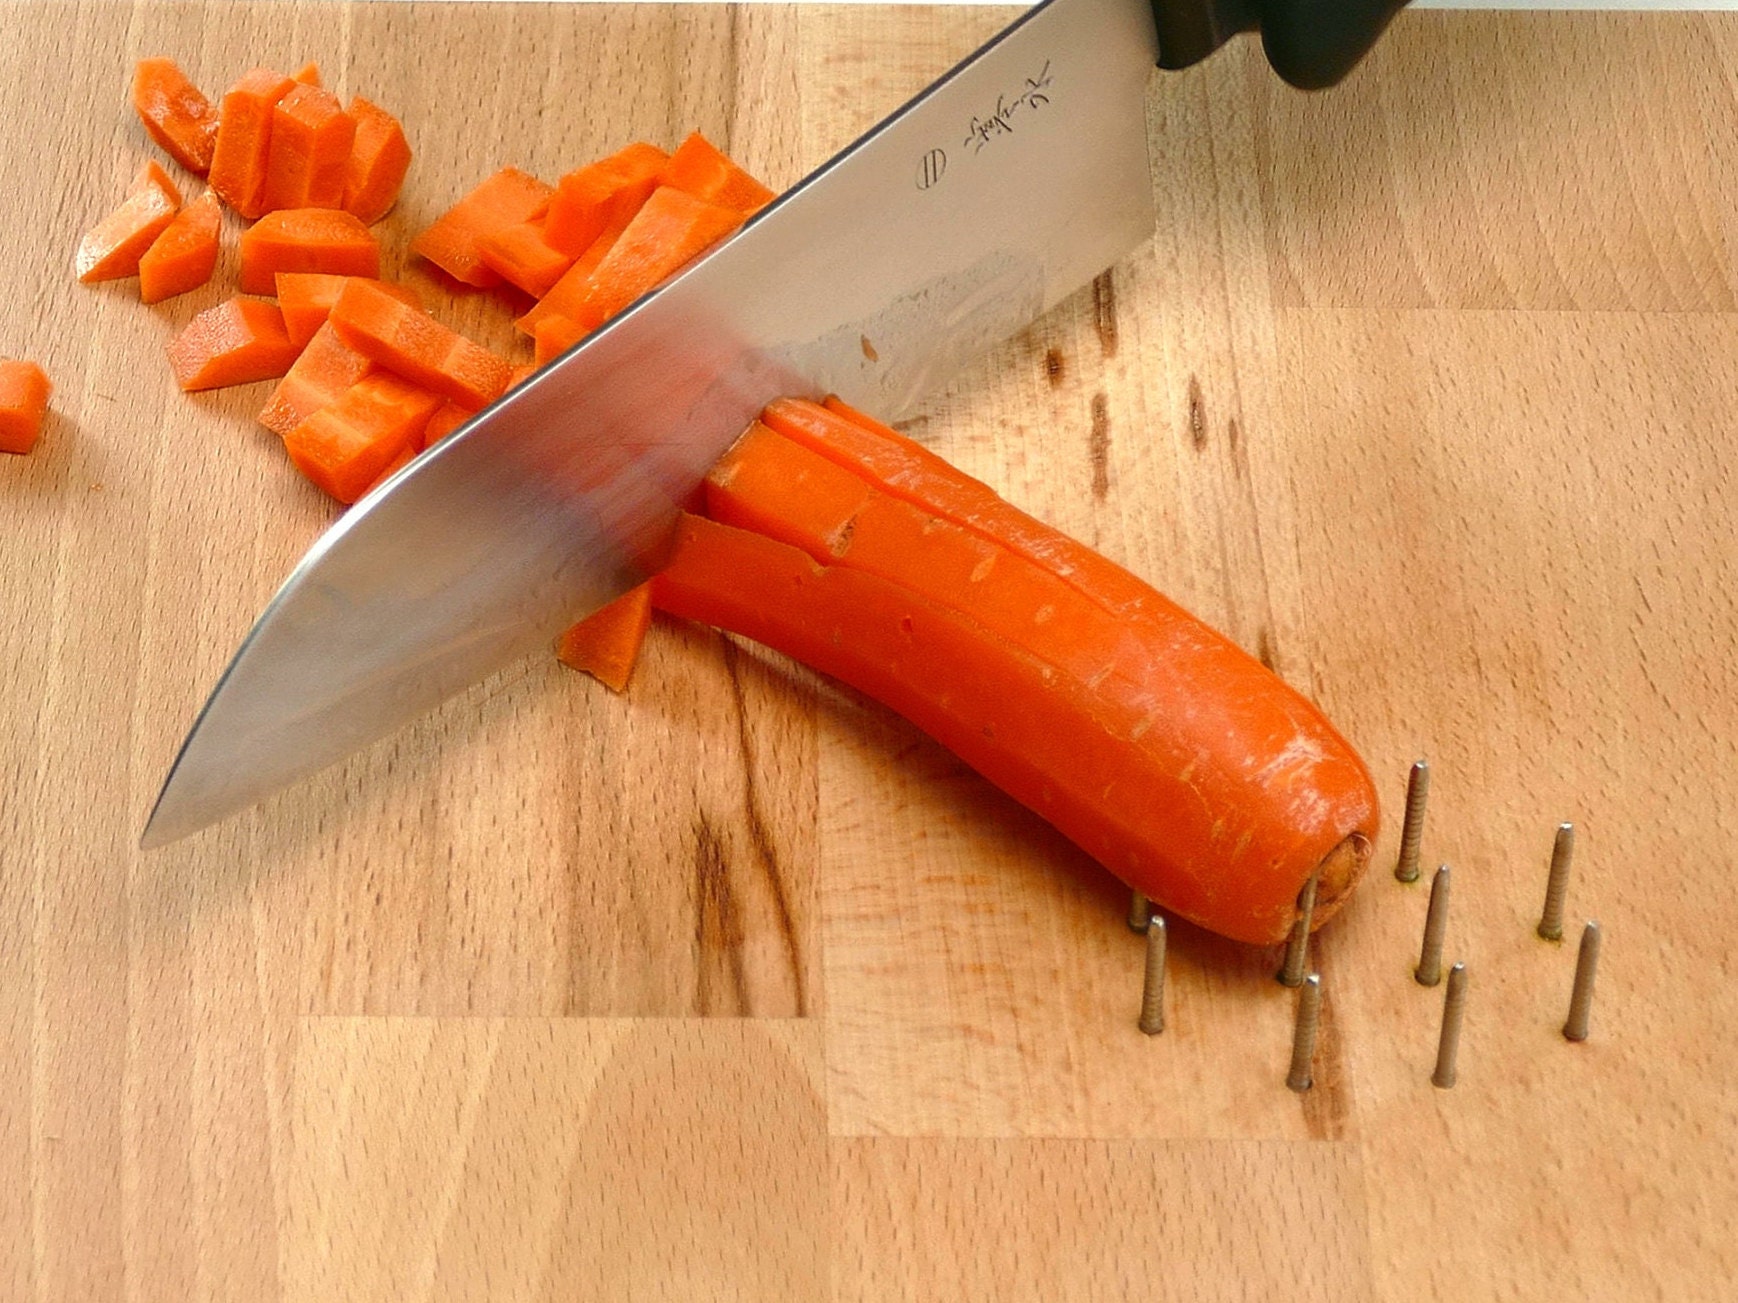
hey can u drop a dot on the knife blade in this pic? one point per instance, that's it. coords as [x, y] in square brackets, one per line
[997, 191]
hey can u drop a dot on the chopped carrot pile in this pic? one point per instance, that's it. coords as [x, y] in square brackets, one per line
[327, 240]
[112, 248]
[523, 258]
[175, 113]
[235, 343]
[504, 199]
[306, 298]
[185, 255]
[554, 336]
[669, 231]
[606, 644]
[24, 394]
[326, 367]
[449, 418]
[698, 168]
[600, 195]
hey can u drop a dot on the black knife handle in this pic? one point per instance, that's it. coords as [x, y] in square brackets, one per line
[1311, 43]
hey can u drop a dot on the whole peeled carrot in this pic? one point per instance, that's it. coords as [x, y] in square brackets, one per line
[1172, 756]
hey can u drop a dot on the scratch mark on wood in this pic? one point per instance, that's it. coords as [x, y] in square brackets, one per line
[1099, 447]
[1104, 311]
[1197, 415]
[1054, 366]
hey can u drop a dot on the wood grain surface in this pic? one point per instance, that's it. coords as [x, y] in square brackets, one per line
[737, 986]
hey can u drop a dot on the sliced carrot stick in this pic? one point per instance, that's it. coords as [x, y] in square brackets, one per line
[309, 75]
[24, 394]
[521, 257]
[447, 419]
[326, 240]
[345, 447]
[175, 113]
[397, 464]
[900, 466]
[607, 642]
[244, 129]
[414, 345]
[306, 298]
[670, 230]
[309, 149]
[566, 298]
[185, 255]
[325, 368]
[235, 343]
[112, 248]
[520, 374]
[378, 161]
[702, 170]
[601, 195]
[504, 199]
[554, 336]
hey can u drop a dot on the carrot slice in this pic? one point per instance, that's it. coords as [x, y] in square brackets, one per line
[112, 248]
[345, 447]
[185, 255]
[566, 298]
[24, 394]
[235, 343]
[175, 113]
[671, 229]
[601, 195]
[306, 298]
[414, 345]
[325, 368]
[309, 149]
[397, 464]
[554, 336]
[508, 197]
[326, 240]
[444, 422]
[521, 257]
[380, 157]
[607, 642]
[309, 75]
[699, 168]
[244, 128]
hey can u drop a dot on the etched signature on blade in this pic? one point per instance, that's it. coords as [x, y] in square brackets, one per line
[1008, 107]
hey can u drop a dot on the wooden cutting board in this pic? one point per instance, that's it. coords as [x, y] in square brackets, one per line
[737, 986]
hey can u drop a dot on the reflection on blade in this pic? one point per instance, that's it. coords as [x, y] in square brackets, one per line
[1004, 187]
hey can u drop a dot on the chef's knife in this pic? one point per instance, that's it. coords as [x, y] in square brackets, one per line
[1003, 187]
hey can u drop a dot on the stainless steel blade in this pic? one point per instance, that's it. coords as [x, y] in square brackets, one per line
[1002, 188]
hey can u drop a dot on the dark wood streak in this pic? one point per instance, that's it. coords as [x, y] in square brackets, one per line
[1264, 648]
[1054, 367]
[1104, 311]
[1328, 1103]
[1197, 415]
[717, 926]
[1099, 445]
[764, 848]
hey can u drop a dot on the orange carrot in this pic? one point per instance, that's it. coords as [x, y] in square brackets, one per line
[306, 298]
[326, 240]
[554, 336]
[414, 345]
[601, 195]
[244, 129]
[508, 197]
[607, 642]
[345, 447]
[24, 394]
[378, 161]
[449, 418]
[235, 343]
[309, 74]
[325, 368]
[175, 114]
[397, 464]
[185, 255]
[701, 170]
[112, 248]
[671, 229]
[310, 144]
[566, 297]
[520, 256]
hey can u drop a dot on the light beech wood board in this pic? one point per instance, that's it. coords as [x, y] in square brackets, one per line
[737, 986]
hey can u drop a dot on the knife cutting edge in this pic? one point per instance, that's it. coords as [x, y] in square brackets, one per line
[1000, 189]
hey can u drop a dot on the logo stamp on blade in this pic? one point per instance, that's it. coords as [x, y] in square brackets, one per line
[1008, 107]
[930, 170]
